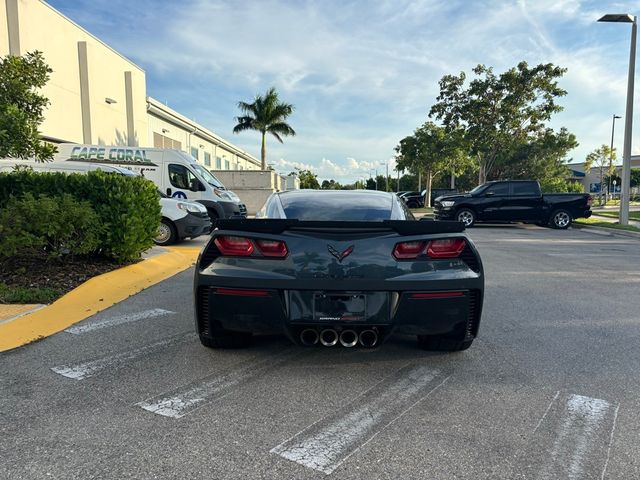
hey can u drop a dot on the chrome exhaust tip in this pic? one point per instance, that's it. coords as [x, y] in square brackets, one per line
[348, 338]
[328, 337]
[309, 337]
[368, 338]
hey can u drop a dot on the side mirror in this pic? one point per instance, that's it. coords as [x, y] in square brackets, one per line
[196, 186]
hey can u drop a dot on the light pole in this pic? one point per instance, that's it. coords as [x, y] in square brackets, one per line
[628, 119]
[613, 129]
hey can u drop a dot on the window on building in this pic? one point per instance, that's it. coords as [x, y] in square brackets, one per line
[194, 152]
[207, 159]
[218, 163]
[160, 141]
[227, 164]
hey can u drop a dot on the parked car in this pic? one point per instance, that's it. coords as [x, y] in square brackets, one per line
[416, 199]
[331, 267]
[513, 201]
[180, 218]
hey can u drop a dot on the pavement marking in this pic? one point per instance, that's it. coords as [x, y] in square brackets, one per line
[326, 444]
[184, 400]
[119, 320]
[613, 429]
[571, 441]
[94, 367]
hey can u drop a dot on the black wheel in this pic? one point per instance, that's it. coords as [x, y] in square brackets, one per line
[466, 216]
[213, 216]
[560, 219]
[412, 204]
[227, 340]
[167, 234]
[441, 344]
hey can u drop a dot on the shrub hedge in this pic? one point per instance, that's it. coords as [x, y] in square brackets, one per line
[127, 208]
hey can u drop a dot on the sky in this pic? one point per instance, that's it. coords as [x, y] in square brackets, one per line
[361, 74]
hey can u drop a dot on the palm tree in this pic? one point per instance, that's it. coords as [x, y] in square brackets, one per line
[267, 115]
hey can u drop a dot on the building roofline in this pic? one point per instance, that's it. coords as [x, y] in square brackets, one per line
[92, 35]
[171, 116]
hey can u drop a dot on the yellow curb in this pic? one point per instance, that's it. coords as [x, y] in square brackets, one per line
[95, 295]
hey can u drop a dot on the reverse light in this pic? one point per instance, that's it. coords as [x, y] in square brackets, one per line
[408, 250]
[272, 248]
[446, 248]
[234, 246]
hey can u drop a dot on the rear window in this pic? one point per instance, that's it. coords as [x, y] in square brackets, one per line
[524, 188]
[337, 207]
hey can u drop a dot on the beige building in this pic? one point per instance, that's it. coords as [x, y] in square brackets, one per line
[98, 96]
[591, 181]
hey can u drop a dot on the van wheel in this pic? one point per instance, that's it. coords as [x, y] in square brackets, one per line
[561, 219]
[167, 234]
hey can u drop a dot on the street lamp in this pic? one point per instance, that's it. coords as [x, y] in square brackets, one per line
[613, 128]
[628, 120]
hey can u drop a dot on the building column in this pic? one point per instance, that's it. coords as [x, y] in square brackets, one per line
[13, 26]
[132, 139]
[85, 107]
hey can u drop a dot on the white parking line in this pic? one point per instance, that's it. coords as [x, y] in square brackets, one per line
[113, 362]
[184, 400]
[327, 443]
[571, 441]
[119, 320]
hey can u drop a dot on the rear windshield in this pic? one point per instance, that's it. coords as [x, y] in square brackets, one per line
[322, 206]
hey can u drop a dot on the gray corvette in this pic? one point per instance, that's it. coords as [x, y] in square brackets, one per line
[334, 268]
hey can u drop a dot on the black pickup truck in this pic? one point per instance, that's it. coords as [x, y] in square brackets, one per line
[513, 201]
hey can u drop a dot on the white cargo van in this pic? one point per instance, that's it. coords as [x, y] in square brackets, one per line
[180, 218]
[176, 173]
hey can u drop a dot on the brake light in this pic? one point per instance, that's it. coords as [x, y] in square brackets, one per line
[272, 248]
[431, 295]
[446, 248]
[234, 246]
[408, 250]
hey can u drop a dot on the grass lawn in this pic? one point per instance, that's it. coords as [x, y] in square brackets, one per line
[632, 215]
[596, 223]
[422, 210]
[13, 294]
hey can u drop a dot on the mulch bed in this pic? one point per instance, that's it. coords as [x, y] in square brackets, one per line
[39, 271]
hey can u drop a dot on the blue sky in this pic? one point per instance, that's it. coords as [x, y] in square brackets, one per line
[361, 74]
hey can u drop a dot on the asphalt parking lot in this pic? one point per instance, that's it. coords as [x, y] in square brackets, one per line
[550, 389]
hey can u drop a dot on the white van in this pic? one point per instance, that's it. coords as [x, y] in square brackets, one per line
[180, 218]
[176, 173]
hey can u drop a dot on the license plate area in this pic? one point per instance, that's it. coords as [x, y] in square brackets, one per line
[339, 307]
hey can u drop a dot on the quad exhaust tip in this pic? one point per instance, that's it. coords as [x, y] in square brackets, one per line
[348, 338]
[368, 338]
[328, 337]
[309, 337]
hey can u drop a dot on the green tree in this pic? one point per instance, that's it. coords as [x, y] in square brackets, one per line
[267, 114]
[22, 106]
[601, 158]
[308, 179]
[499, 113]
[429, 151]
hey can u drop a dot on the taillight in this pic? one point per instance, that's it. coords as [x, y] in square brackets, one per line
[272, 248]
[234, 246]
[446, 248]
[408, 250]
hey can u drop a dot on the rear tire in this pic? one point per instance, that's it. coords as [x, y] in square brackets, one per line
[560, 219]
[412, 204]
[227, 340]
[466, 216]
[440, 344]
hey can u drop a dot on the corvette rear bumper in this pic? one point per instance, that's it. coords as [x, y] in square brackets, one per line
[452, 310]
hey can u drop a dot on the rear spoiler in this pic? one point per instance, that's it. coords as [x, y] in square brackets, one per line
[276, 226]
